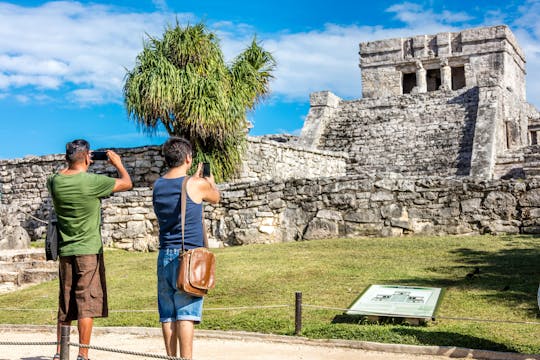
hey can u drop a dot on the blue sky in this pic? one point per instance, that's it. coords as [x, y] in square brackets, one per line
[62, 63]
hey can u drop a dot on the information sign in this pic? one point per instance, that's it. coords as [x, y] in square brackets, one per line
[397, 301]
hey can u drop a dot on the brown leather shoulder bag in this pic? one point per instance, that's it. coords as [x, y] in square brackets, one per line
[196, 273]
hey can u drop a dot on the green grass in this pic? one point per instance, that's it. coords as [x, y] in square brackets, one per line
[332, 273]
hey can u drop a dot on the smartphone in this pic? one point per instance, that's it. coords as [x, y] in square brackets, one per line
[99, 155]
[206, 169]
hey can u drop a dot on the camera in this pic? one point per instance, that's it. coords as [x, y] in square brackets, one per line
[206, 169]
[99, 155]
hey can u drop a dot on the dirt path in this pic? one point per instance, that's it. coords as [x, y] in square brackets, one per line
[217, 345]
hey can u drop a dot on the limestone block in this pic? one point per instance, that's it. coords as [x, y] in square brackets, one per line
[471, 205]
[245, 236]
[365, 216]
[321, 229]
[267, 229]
[459, 229]
[135, 228]
[531, 229]
[14, 237]
[401, 223]
[530, 213]
[363, 229]
[138, 210]
[421, 227]
[329, 215]
[502, 204]
[391, 231]
[324, 98]
[382, 196]
[530, 198]
[276, 204]
[391, 211]
[498, 227]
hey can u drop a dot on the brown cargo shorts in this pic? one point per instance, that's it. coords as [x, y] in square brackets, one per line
[83, 291]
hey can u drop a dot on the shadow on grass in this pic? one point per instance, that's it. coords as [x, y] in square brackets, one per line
[424, 336]
[511, 275]
[455, 344]
[451, 339]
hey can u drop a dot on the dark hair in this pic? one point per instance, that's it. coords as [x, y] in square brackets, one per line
[77, 150]
[175, 150]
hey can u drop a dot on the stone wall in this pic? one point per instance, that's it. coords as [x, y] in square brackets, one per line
[373, 206]
[422, 134]
[350, 206]
[23, 181]
[268, 160]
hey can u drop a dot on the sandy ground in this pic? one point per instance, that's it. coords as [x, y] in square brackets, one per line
[225, 345]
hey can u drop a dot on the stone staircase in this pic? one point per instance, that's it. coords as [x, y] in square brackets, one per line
[20, 268]
[531, 165]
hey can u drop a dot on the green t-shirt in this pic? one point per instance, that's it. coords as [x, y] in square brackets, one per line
[77, 204]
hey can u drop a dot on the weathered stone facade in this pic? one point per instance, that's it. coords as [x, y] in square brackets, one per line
[397, 135]
[304, 209]
[348, 206]
[444, 104]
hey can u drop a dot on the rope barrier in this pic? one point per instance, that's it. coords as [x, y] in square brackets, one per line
[247, 307]
[324, 307]
[127, 352]
[32, 343]
[155, 310]
[288, 306]
[35, 218]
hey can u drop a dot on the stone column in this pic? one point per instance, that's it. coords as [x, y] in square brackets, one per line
[421, 80]
[323, 105]
[446, 75]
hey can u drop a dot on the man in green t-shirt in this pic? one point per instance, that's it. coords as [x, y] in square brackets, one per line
[76, 196]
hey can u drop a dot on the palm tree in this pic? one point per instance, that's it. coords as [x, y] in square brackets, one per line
[183, 82]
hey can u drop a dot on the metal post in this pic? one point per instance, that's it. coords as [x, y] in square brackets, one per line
[298, 313]
[64, 342]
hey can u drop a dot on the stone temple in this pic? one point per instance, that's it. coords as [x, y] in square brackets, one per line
[442, 142]
[443, 104]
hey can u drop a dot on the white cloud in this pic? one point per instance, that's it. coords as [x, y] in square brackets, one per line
[86, 48]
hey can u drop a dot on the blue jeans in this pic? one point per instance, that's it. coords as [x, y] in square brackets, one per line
[174, 304]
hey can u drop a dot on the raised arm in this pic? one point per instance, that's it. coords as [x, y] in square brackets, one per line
[122, 183]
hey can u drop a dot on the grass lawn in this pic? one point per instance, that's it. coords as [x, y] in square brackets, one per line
[332, 273]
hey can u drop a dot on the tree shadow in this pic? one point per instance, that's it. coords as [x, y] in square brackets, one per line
[452, 344]
[511, 275]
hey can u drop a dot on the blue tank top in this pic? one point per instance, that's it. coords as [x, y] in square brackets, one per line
[166, 201]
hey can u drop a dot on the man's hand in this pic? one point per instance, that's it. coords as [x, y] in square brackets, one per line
[206, 186]
[114, 159]
[198, 172]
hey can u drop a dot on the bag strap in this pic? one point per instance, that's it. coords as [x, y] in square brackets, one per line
[183, 200]
[205, 234]
[52, 213]
[183, 207]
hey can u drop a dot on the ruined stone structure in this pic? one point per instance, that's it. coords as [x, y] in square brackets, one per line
[445, 104]
[434, 147]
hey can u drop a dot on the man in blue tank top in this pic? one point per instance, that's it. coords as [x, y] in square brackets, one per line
[178, 311]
